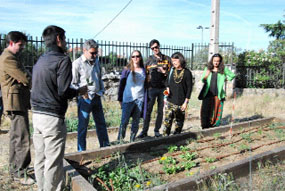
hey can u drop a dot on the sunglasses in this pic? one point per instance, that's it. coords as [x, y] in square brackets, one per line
[155, 47]
[136, 56]
[93, 53]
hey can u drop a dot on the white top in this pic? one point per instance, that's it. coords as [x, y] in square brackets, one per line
[134, 89]
[86, 73]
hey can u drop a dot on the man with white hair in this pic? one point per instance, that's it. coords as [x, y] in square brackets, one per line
[86, 70]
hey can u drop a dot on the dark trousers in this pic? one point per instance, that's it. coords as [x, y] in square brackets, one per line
[154, 94]
[19, 155]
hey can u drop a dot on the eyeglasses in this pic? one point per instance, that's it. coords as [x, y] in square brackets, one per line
[155, 47]
[93, 53]
[136, 56]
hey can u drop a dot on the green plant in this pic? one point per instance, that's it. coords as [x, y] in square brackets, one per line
[189, 164]
[232, 145]
[124, 176]
[259, 131]
[247, 137]
[244, 147]
[275, 30]
[167, 160]
[217, 135]
[280, 134]
[184, 148]
[169, 165]
[71, 124]
[172, 169]
[189, 156]
[172, 148]
[210, 159]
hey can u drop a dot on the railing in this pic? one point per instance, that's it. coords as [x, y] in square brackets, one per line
[115, 55]
[260, 77]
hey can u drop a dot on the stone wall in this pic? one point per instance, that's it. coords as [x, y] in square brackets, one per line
[111, 82]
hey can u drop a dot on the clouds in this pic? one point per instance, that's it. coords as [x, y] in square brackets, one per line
[173, 22]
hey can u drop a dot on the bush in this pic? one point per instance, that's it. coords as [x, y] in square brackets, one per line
[262, 69]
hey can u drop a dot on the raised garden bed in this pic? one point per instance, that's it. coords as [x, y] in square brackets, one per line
[163, 163]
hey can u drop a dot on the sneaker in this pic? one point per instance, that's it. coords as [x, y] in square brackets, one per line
[142, 135]
[157, 134]
[25, 180]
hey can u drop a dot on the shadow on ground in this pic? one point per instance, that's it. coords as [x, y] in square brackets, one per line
[227, 119]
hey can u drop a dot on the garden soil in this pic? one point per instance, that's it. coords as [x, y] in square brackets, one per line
[71, 146]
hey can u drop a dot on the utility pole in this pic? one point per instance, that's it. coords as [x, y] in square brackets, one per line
[214, 33]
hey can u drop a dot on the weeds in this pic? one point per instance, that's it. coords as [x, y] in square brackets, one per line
[244, 147]
[217, 135]
[247, 137]
[219, 182]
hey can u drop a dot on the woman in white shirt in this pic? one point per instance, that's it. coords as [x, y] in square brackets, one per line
[132, 93]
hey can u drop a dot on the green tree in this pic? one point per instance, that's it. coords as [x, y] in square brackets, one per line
[275, 30]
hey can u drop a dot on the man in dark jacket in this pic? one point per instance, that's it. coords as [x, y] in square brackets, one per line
[52, 76]
[15, 86]
[158, 66]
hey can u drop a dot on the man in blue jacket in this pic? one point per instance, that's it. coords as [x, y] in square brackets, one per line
[51, 90]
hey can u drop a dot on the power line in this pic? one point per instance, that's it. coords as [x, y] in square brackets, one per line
[114, 18]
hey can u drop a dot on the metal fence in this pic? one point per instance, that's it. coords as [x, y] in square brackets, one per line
[260, 76]
[114, 55]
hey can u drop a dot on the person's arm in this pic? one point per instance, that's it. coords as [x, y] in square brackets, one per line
[14, 69]
[206, 75]
[75, 75]
[122, 85]
[64, 78]
[169, 63]
[189, 84]
[230, 75]
[188, 80]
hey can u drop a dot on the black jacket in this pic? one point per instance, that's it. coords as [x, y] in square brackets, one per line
[52, 75]
[155, 78]
[179, 91]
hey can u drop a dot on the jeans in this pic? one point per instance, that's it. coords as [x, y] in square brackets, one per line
[85, 107]
[153, 94]
[49, 142]
[131, 109]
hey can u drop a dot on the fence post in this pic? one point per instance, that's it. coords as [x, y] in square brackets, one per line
[192, 56]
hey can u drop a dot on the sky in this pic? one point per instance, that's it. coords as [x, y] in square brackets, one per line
[172, 22]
